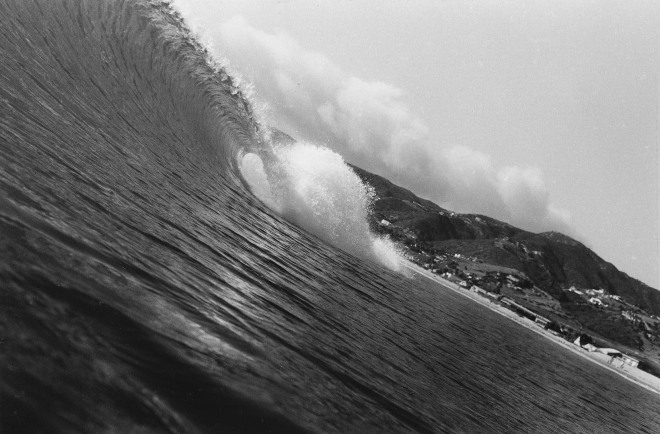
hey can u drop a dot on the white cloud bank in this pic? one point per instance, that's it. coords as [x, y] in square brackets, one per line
[369, 123]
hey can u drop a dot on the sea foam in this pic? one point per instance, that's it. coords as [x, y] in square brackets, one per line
[314, 188]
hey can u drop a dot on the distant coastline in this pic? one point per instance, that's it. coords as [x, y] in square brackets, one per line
[634, 375]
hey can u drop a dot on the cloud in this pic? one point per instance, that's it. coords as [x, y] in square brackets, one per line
[370, 124]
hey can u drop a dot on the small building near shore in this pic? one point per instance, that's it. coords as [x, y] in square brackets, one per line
[478, 290]
[453, 278]
[543, 322]
[582, 343]
[493, 295]
[610, 352]
[520, 310]
[616, 358]
[630, 361]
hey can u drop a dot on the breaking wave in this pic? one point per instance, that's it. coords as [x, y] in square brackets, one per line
[168, 263]
[314, 188]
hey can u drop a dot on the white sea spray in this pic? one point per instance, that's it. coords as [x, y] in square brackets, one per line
[314, 188]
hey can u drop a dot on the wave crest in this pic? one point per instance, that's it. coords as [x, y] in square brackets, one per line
[314, 188]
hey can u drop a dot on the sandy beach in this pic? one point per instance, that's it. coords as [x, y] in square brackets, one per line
[637, 376]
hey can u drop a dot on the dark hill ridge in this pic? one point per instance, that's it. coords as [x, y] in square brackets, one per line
[553, 261]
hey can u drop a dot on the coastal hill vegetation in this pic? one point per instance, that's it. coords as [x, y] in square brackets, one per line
[553, 261]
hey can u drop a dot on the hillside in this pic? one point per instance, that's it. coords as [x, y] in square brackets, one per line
[548, 273]
[553, 261]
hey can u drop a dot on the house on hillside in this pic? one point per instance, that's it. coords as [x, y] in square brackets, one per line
[595, 301]
[629, 315]
[573, 289]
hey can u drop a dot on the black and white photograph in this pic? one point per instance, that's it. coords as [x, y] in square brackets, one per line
[329, 216]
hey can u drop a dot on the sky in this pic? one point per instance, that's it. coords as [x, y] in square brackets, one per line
[542, 114]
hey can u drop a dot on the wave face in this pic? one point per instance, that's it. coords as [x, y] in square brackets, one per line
[145, 288]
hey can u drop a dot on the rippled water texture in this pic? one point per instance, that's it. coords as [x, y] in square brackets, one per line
[144, 287]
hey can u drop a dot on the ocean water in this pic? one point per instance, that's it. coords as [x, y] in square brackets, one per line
[145, 288]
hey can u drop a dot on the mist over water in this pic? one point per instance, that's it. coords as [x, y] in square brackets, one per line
[372, 125]
[314, 188]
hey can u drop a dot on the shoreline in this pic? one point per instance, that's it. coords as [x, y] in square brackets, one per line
[634, 375]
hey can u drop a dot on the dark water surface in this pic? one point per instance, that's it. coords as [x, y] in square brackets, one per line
[143, 288]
